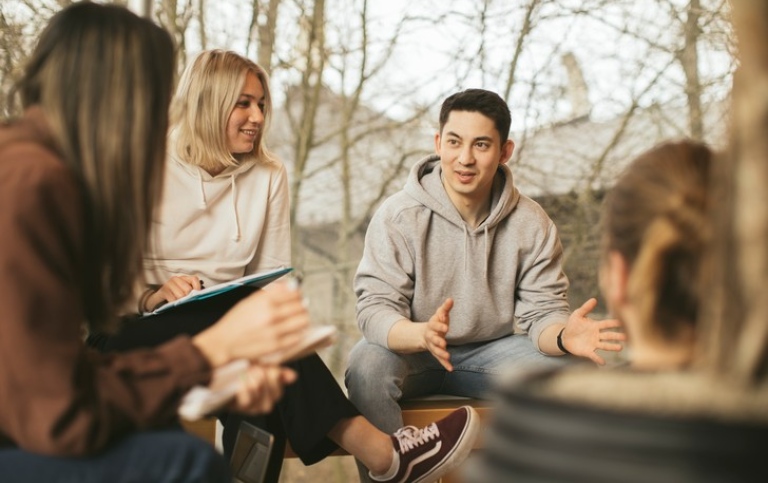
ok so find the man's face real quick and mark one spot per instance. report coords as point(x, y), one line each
point(470, 150)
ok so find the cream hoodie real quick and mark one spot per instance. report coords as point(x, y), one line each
point(220, 227)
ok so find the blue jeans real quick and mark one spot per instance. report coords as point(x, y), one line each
point(378, 378)
point(170, 456)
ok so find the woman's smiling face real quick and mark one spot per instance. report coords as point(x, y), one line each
point(247, 117)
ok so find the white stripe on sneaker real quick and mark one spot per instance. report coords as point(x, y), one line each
point(421, 458)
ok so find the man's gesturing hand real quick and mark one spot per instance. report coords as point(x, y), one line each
point(583, 336)
point(434, 336)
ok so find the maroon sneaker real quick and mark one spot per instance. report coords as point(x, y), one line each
point(428, 453)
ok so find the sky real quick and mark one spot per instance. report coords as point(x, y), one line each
point(424, 65)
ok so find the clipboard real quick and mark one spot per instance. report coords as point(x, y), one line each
point(256, 280)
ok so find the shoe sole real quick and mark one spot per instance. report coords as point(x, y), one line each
point(460, 452)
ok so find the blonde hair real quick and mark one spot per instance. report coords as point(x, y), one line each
point(207, 93)
point(656, 217)
point(103, 77)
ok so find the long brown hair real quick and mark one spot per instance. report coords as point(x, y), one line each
point(656, 217)
point(104, 76)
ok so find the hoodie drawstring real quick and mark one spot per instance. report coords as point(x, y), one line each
point(203, 202)
point(487, 248)
point(466, 237)
point(236, 237)
point(487, 252)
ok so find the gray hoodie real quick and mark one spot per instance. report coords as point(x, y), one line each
point(419, 251)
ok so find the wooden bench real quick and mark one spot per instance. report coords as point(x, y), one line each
point(418, 412)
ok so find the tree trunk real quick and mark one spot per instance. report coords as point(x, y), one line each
point(202, 24)
point(527, 26)
point(267, 36)
point(689, 59)
point(310, 89)
point(736, 306)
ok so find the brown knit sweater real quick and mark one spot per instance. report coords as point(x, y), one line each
point(56, 396)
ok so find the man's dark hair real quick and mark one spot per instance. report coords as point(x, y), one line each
point(485, 102)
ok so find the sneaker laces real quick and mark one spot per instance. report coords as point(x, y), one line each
point(410, 437)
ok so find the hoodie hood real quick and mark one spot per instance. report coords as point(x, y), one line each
point(425, 185)
point(212, 187)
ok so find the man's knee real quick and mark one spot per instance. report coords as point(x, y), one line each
point(372, 370)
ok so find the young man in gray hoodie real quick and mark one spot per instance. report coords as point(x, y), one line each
point(451, 263)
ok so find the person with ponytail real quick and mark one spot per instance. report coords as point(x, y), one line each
point(655, 228)
point(659, 417)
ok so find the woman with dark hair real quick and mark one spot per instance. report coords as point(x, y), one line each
point(80, 175)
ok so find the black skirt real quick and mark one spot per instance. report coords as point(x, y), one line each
point(308, 410)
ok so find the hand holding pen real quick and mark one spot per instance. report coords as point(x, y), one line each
point(175, 288)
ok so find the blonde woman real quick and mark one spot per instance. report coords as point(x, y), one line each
point(225, 214)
